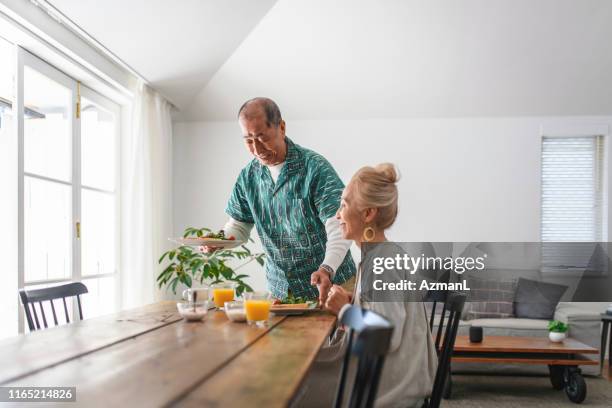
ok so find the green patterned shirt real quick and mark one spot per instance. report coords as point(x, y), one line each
point(290, 218)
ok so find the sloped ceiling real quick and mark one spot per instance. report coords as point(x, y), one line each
point(349, 59)
point(447, 58)
point(176, 45)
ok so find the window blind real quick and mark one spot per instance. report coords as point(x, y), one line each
point(573, 199)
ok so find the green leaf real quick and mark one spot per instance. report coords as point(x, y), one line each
point(162, 257)
point(206, 271)
point(226, 273)
point(260, 260)
point(173, 284)
point(557, 326)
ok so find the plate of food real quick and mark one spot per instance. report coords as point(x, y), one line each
point(211, 239)
point(294, 306)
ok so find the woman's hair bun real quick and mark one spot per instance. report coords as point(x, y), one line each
point(375, 187)
point(388, 172)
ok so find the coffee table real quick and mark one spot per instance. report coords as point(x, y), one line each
point(563, 359)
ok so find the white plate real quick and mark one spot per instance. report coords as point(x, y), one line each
point(218, 243)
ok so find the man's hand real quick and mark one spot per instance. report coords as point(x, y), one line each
point(321, 279)
point(337, 298)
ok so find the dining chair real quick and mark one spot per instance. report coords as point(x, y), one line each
point(29, 299)
point(436, 297)
point(369, 338)
point(442, 384)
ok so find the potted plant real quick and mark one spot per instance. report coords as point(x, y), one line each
point(187, 265)
point(558, 331)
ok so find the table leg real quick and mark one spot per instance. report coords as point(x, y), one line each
point(604, 338)
point(610, 347)
point(556, 376)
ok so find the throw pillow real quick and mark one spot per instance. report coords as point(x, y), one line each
point(537, 300)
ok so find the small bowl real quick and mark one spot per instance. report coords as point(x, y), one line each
point(192, 312)
point(235, 311)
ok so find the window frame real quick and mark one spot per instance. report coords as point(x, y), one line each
point(23, 59)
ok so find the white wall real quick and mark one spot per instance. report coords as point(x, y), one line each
point(462, 179)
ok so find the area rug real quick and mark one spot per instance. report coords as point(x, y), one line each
point(499, 391)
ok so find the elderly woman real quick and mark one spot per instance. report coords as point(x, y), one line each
point(367, 209)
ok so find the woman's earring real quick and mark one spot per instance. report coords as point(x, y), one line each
point(368, 234)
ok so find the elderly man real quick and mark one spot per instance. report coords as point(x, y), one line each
point(291, 195)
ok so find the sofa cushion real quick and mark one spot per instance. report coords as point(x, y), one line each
point(568, 312)
point(537, 300)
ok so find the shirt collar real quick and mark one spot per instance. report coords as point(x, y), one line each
point(293, 160)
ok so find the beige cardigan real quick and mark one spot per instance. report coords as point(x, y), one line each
point(409, 369)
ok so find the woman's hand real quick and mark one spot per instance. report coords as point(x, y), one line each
point(337, 298)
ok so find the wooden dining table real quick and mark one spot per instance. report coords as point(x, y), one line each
point(151, 357)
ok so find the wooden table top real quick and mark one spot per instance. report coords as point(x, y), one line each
point(512, 344)
point(151, 357)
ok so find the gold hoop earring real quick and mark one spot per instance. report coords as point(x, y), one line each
point(369, 234)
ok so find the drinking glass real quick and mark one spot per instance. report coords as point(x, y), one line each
point(257, 306)
point(193, 295)
point(223, 292)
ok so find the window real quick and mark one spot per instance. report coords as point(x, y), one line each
point(573, 194)
point(67, 205)
point(574, 204)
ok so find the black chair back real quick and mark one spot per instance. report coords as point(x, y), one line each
point(454, 306)
point(369, 338)
point(435, 297)
point(29, 299)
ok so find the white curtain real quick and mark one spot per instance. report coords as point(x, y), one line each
point(146, 196)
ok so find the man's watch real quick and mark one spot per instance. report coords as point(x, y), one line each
point(327, 269)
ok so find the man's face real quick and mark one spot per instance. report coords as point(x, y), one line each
point(266, 143)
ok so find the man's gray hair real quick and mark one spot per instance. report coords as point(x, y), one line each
point(273, 113)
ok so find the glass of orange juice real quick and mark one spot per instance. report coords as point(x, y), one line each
point(257, 307)
point(223, 292)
